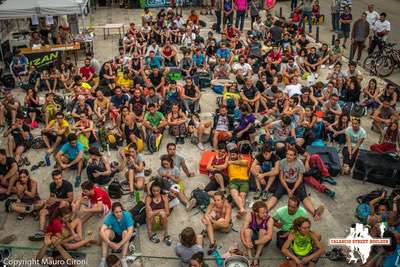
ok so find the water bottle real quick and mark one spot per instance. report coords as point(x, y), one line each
point(47, 159)
point(218, 259)
point(137, 197)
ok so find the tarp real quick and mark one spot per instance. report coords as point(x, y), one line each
point(12, 9)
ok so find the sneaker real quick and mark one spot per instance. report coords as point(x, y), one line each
point(20, 217)
point(191, 204)
point(124, 263)
point(257, 195)
point(212, 249)
point(102, 262)
point(182, 140)
point(329, 180)
point(177, 140)
point(77, 181)
point(200, 146)
point(330, 193)
point(167, 240)
point(39, 236)
point(265, 195)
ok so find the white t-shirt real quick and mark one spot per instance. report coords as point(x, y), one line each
point(380, 26)
point(293, 89)
point(355, 136)
point(245, 68)
point(372, 17)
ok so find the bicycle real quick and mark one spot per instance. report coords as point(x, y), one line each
point(369, 63)
point(385, 65)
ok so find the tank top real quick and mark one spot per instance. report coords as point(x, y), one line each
point(167, 51)
point(136, 65)
point(305, 103)
point(190, 91)
point(302, 245)
point(258, 226)
point(157, 206)
point(219, 161)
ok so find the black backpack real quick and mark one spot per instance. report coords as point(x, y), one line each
point(115, 190)
point(202, 198)
point(370, 196)
point(139, 213)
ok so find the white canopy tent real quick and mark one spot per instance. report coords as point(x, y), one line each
point(14, 9)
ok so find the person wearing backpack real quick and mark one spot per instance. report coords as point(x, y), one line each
point(157, 212)
point(217, 218)
point(116, 232)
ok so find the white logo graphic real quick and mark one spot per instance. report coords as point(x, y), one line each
point(359, 243)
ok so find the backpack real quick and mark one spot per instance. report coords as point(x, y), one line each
point(139, 213)
point(153, 142)
point(202, 198)
point(115, 190)
point(38, 143)
point(370, 196)
point(357, 111)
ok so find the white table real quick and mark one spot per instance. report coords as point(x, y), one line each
point(109, 27)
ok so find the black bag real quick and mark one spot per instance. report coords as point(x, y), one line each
point(378, 168)
point(329, 156)
point(202, 198)
point(370, 196)
point(139, 213)
point(357, 111)
point(8, 81)
point(115, 190)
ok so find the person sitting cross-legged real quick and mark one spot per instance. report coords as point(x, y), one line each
point(71, 156)
point(116, 233)
point(302, 246)
point(55, 133)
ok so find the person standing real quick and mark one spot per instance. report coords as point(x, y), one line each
point(228, 12)
point(359, 34)
point(306, 11)
point(241, 8)
point(254, 11)
point(372, 17)
point(381, 30)
point(335, 12)
point(345, 20)
point(218, 14)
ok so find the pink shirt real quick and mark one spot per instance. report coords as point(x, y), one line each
point(241, 5)
point(269, 3)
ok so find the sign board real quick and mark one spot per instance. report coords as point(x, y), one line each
point(161, 3)
point(43, 59)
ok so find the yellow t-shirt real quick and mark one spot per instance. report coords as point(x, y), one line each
point(238, 172)
point(64, 124)
point(124, 83)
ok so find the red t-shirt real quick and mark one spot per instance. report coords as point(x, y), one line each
point(100, 195)
point(55, 227)
point(86, 72)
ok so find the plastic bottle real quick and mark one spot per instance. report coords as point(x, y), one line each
point(218, 258)
point(137, 197)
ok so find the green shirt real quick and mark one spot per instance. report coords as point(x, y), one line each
point(282, 216)
point(302, 245)
point(155, 119)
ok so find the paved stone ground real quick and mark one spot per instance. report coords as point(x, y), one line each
point(338, 216)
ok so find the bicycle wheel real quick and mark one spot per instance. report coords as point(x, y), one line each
point(369, 63)
point(384, 66)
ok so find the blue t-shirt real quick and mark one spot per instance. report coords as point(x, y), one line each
point(392, 260)
point(119, 102)
point(225, 53)
point(119, 226)
point(155, 62)
point(199, 59)
point(71, 152)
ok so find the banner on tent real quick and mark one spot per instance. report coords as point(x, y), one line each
point(161, 3)
point(43, 58)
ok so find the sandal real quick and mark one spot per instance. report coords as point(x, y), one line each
point(167, 240)
point(154, 238)
point(318, 212)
